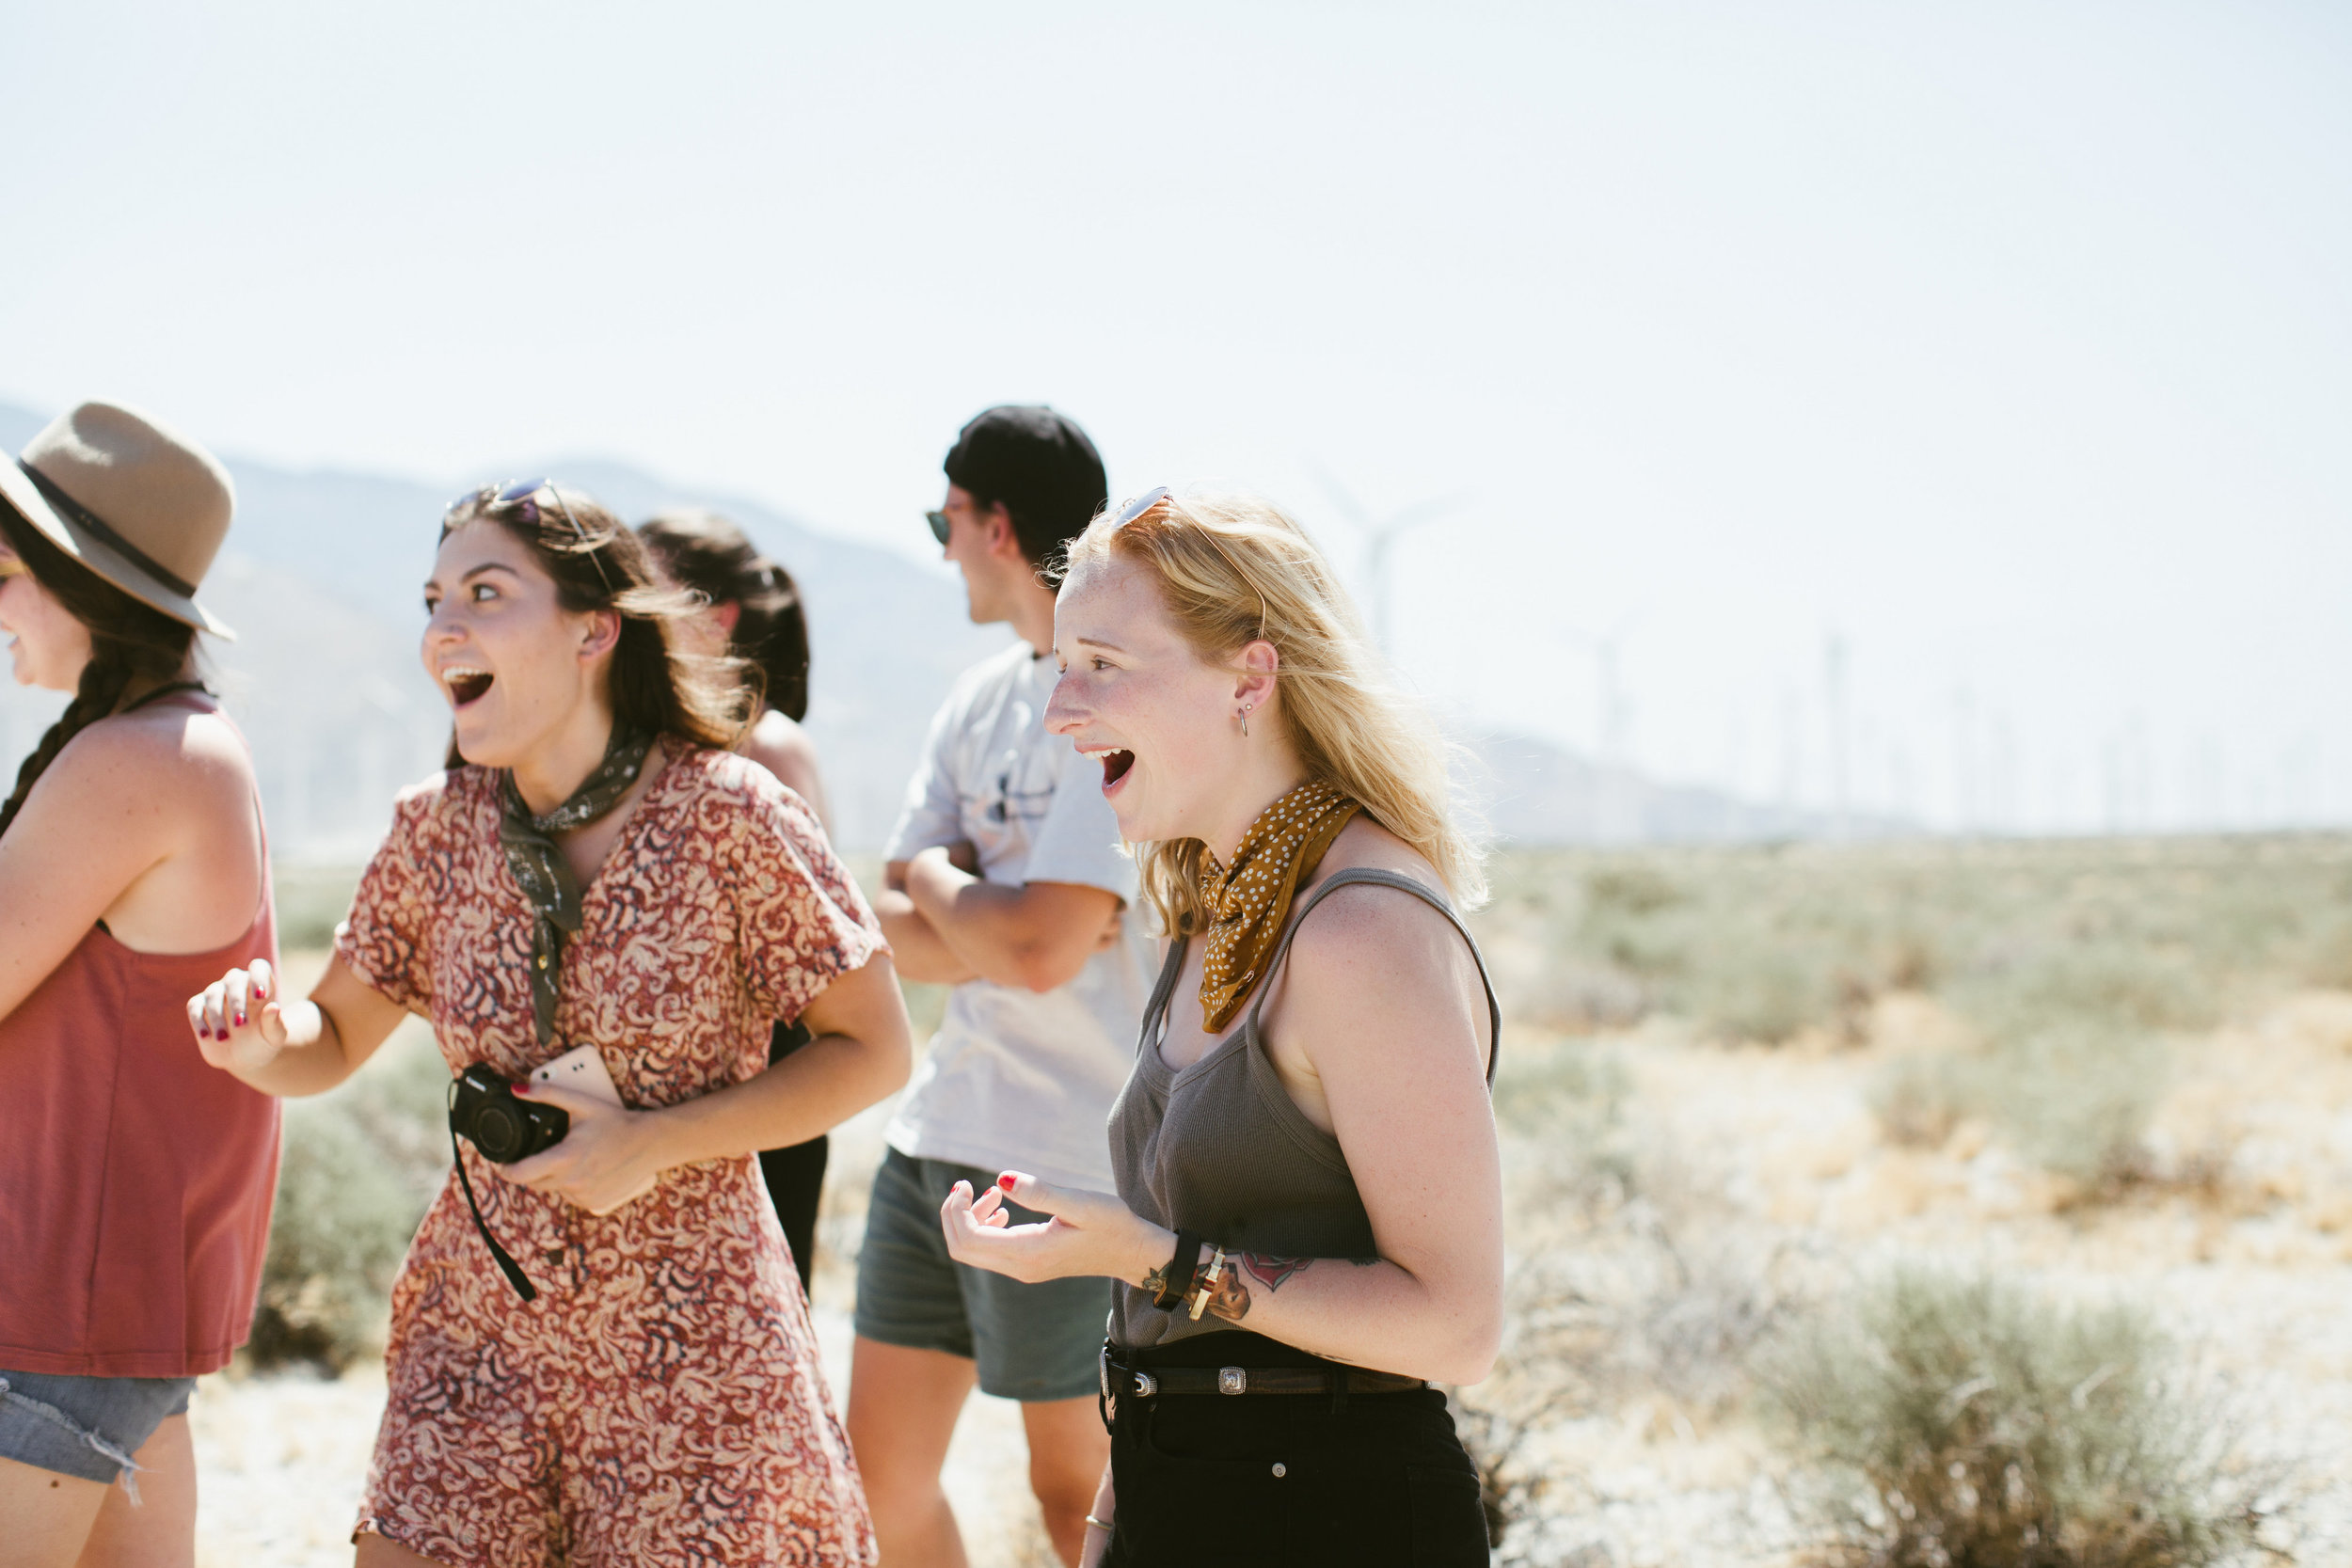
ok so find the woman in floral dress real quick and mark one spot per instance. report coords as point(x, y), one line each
point(596, 867)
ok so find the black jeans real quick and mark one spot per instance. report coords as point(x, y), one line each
point(1287, 1479)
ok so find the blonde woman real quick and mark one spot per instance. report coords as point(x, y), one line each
point(1307, 1231)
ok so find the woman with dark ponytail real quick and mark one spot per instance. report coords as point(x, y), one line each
point(751, 611)
point(134, 1182)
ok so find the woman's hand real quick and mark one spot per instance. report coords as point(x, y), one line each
point(239, 1021)
point(1089, 1233)
point(609, 1156)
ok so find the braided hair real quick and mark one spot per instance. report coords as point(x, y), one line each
point(708, 555)
point(129, 640)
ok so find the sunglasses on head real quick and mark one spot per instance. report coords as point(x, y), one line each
point(1141, 505)
point(523, 495)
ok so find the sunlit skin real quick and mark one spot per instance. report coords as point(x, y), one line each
point(1377, 1026)
point(1166, 723)
point(47, 646)
point(524, 677)
point(528, 685)
point(983, 546)
point(146, 820)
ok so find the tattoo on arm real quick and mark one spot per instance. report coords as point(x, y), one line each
point(1230, 1299)
point(1156, 1281)
point(1273, 1273)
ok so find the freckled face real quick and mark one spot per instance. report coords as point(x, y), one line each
point(1134, 694)
point(505, 654)
point(47, 646)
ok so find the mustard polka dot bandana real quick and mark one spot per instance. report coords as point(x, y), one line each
point(1247, 904)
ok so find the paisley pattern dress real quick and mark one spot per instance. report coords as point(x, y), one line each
point(662, 1401)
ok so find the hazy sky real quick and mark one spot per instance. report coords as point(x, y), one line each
point(2008, 345)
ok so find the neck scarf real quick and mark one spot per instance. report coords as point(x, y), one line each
point(540, 869)
point(1247, 904)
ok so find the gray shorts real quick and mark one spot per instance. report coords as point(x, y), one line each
point(1033, 1342)
point(87, 1427)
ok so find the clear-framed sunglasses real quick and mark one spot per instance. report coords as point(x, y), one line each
point(1141, 505)
point(523, 495)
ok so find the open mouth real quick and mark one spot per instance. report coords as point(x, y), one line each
point(466, 686)
point(1115, 766)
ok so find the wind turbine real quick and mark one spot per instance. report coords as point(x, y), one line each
point(1380, 536)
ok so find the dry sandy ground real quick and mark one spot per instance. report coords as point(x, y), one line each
point(1751, 1154)
point(2250, 1264)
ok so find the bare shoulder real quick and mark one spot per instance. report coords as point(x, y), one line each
point(1367, 933)
point(171, 755)
point(779, 745)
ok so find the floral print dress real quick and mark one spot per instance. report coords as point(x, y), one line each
point(662, 1401)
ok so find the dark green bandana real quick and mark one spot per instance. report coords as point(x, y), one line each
point(540, 869)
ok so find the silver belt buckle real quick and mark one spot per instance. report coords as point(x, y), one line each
point(1232, 1379)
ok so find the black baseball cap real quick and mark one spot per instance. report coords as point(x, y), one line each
point(1040, 464)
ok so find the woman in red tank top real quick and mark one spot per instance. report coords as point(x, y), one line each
point(134, 1182)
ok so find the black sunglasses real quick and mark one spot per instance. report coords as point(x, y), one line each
point(939, 525)
point(524, 496)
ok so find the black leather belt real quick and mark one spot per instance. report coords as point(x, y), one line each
point(1118, 1378)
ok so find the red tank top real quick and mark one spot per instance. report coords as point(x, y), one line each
point(135, 1180)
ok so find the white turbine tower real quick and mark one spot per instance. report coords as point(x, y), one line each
point(1380, 535)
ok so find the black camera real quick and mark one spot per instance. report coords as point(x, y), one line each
point(483, 1108)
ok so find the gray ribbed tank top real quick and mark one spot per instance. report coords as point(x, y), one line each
point(1221, 1148)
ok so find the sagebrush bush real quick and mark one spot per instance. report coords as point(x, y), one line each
point(1957, 1422)
point(1759, 941)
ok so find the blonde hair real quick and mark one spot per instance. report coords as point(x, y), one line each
point(1233, 570)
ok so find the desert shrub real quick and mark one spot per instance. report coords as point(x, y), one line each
point(359, 1164)
point(1920, 1096)
point(1962, 1422)
point(2076, 1097)
point(1762, 941)
point(310, 900)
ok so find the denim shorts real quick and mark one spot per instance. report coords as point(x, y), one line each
point(86, 1427)
point(1033, 1342)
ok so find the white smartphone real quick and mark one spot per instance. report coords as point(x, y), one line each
point(581, 1071)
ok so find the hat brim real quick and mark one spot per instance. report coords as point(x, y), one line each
point(107, 562)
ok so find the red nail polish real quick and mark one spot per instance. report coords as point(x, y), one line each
point(523, 1089)
point(1007, 1180)
point(241, 1021)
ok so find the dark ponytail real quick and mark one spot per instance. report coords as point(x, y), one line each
point(703, 552)
point(129, 640)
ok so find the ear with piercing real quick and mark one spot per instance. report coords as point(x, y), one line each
point(1245, 716)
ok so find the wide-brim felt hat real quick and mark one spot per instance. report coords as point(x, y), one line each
point(131, 498)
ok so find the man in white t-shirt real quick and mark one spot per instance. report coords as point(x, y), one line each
point(1006, 879)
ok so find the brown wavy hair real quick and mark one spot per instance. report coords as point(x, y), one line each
point(604, 565)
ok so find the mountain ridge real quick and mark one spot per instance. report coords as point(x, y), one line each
point(320, 578)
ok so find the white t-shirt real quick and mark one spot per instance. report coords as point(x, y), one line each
point(1015, 1079)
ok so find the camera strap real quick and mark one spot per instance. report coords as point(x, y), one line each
point(507, 1266)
